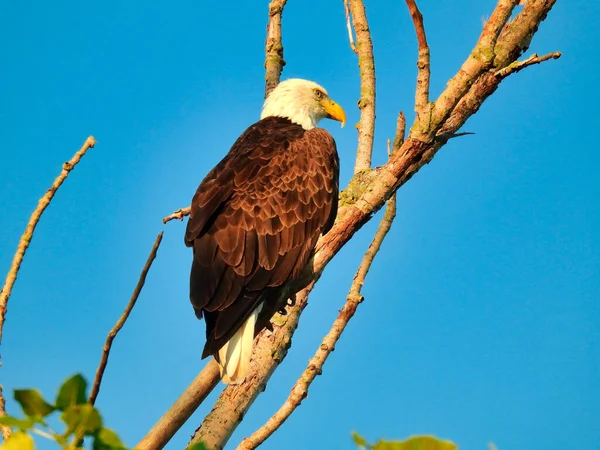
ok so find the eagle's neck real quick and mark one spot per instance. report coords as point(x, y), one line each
point(291, 109)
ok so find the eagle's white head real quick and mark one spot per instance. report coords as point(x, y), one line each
point(303, 102)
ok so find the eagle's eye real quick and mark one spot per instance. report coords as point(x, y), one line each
point(319, 94)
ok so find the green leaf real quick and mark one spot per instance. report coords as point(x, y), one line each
point(416, 443)
point(198, 446)
point(32, 403)
point(18, 441)
point(72, 392)
point(81, 419)
point(107, 439)
point(23, 424)
point(358, 439)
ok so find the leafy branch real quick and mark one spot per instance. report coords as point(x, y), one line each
point(81, 420)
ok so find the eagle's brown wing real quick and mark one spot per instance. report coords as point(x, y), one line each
point(255, 220)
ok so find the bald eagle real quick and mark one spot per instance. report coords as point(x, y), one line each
point(256, 217)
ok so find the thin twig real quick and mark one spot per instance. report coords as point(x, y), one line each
point(117, 327)
point(349, 27)
point(274, 61)
point(366, 103)
point(422, 106)
point(179, 214)
point(6, 431)
point(182, 409)
point(315, 365)
point(33, 221)
point(25, 240)
point(520, 65)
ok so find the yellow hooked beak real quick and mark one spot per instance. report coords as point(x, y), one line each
point(333, 110)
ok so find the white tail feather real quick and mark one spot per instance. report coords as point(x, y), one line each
point(235, 355)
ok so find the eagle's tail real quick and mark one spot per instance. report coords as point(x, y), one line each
point(234, 356)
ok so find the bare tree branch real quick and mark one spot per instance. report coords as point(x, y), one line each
point(376, 188)
point(274, 61)
point(270, 349)
point(366, 104)
point(422, 105)
point(315, 365)
point(480, 59)
point(496, 22)
point(182, 409)
point(369, 190)
point(25, 240)
point(33, 221)
point(517, 34)
point(513, 41)
point(117, 327)
point(517, 66)
point(349, 27)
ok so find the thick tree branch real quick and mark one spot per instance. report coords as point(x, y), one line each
point(315, 365)
point(182, 409)
point(274, 61)
point(366, 104)
point(117, 327)
point(422, 105)
point(269, 350)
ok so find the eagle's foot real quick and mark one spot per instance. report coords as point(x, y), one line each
point(237, 381)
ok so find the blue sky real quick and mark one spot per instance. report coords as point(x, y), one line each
point(481, 320)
